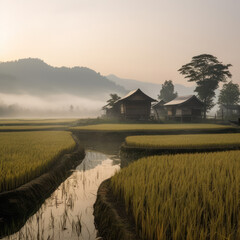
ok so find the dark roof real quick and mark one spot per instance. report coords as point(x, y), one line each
point(182, 99)
point(134, 92)
point(159, 104)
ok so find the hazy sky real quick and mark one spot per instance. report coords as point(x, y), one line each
point(146, 40)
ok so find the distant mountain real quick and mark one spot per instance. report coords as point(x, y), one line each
point(30, 87)
point(152, 89)
point(35, 77)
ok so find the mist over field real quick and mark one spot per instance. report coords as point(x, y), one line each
point(32, 88)
point(62, 105)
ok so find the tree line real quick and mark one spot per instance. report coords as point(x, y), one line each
point(207, 72)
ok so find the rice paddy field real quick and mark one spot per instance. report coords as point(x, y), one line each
point(26, 155)
point(36, 124)
point(31, 127)
point(191, 141)
point(183, 196)
point(61, 121)
point(147, 127)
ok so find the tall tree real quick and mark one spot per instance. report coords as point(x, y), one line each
point(207, 72)
point(167, 93)
point(229, 94)
point(112, 100)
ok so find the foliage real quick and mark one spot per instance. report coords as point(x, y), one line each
point(184, 196)
point(112, 100)
point(192, 141)
point(229, 94)
point(26, 155)
point(207, 72)
point(167, 93)
point(147, 127)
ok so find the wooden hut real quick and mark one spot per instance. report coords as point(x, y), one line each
point(185, 108)
point(135, 105)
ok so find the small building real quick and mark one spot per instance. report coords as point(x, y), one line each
point(229, 111)
point(158, 110)
point(136, 105)
point(185, 108)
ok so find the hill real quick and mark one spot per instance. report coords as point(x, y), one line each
point(32, 88)
point(33, 76)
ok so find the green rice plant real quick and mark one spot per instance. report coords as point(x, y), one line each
point(147, 127)
point(26, 155)
point(183, 196)
point(191, 141)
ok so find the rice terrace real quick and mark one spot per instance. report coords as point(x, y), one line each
point(40, 149)
point(170, 196)
point(120, 120)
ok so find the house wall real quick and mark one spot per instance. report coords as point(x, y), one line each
point(135, 106)
point(191, 109)
point(136, 109)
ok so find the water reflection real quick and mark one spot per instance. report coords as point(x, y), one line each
point(68, 213)
point(108, 143)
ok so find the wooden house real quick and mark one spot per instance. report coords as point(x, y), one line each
point(158, 110)
point(135, 105)
point(185, 108)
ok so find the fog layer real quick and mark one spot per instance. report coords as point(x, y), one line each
point(62, 105)
point(30, 87)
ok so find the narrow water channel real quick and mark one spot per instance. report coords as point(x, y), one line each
point(68, 212)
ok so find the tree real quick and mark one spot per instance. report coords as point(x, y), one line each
point(229, 94)
point(167, 93)
point(207, 72)
point(112, 100)
point(71, 108)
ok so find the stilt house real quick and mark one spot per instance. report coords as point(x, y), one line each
point(135, 105)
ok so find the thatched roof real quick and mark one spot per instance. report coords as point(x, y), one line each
point(182, 99)
point(131, 95)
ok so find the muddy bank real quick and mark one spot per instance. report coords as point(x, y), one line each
point(17, 205)
point(111, 219)
point(109, 142)
point(129, 154)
